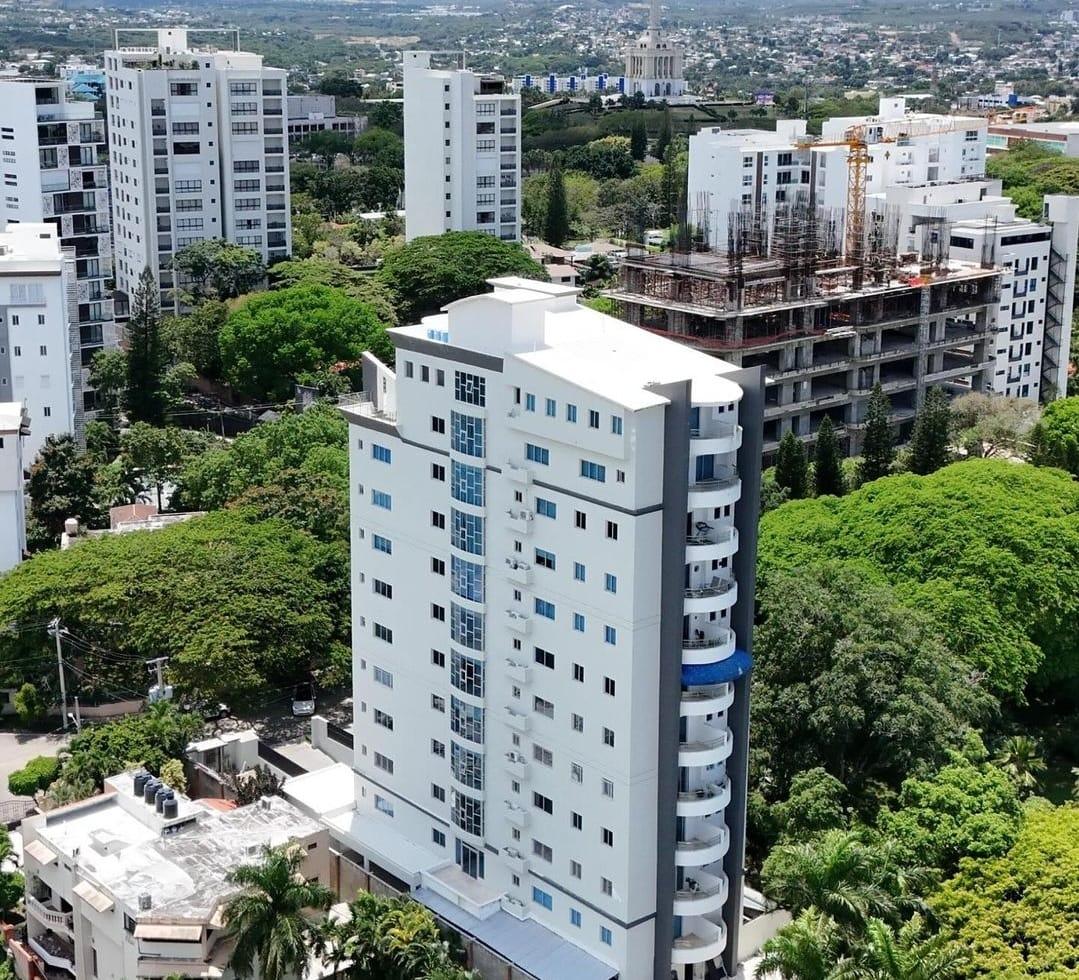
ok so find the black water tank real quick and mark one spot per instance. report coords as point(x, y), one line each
point(150, 790)
point(159, 797)
point(171, 808)
point(141, 778)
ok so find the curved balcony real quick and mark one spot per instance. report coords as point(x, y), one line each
point(707, 746)
point(53, 918)
point(710, 543)
point(703, 802)
point(707, 646)
point(706, 700)
point(700, 941)
point(700, 894)
point(719, 593)
point(715, 440)
point(723, 489)
point(704, 844)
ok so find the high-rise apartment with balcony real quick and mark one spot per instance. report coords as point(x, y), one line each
point(55, 169)
point(553, 542)
point(462, 150)
point(197, 149)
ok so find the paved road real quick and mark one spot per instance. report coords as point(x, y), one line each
point(277, 726)
point(18, 748)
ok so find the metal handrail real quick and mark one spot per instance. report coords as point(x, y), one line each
point(706, 642)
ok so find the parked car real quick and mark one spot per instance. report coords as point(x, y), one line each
point(303, 700)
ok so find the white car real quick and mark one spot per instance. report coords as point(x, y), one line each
point(303, 700)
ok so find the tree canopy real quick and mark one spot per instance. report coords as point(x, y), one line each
point(429, 272)
point(1056, 436)
point(219, 269)
point(274, 337)
point(363, 286)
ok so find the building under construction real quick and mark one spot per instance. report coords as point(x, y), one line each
point(828, 319)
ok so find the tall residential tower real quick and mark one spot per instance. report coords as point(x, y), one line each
point(553, 533)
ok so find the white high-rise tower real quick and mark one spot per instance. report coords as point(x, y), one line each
point(653, 64)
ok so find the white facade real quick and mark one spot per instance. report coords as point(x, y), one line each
point(309, 114)
point(754, 170)
point(14, 428)
point(39, 350)
point(1032, 321)
point(117, 889)
point(518, 486)
point(653, 63)
point(462, 151)
point(198, 149)
point(55, 167)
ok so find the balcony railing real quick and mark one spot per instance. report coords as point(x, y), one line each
point(708, 641)
point(717, 586)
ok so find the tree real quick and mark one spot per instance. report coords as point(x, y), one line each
point(11, 882)
point(273, 337)
point(851, 680)
point(878, 449)
point(1055, 438)
point(428, 272)
point(172, 775)
point(108, 377)
point(338, 191)
point(363, 286)
point(606, 158)
point(817, 802)
point(194, 338)
point(157, 455)
point(638, 139)
point(146, 399)
point(791, 466)
point(268, 919)
point(664, 138)
point(1019, 913)
point(556, 220)
point(1019, 757)
point(379, 148)
point(671, 184)
point(932, 427)
point(29, 705)
point(993, 425)
point(827, 462)
point(809, 948)
point(61, 485)
point(911, 953)
point(219, 269)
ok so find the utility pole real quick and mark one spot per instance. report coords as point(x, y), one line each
point(78, 716)
point(159, 692)
point(54, 629)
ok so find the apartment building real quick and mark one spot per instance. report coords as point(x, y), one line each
point(1032, 322)
point(462, 150)
point(197, 150)
point(553, 543)
point(55, 166)
point(756, 171)
point(14, 428)
point(39, 334)
point(132, 883)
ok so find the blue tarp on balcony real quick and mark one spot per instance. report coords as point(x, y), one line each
point(721, 672)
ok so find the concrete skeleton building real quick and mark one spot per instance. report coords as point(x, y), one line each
point(39, 332)
point(553, 525)
point(14, 428)
point(653, 62)
point(117, 888)
point(462, 150)
point(198, 149)
point(758, 171)
point(55, 168)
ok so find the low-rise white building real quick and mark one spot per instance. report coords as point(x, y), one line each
point(39, 339)
point(118, 889)
point(14, 428)
point(309, 114)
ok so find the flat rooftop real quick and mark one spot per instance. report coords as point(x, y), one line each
point(123, 850)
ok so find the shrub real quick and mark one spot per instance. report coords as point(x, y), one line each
point(37, 774)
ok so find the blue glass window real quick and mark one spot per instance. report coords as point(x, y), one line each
point(467, 434)
point(544, 608)
point(546, 508)
point(575, 917)
point(466, 720)
point(466, 627)
point(382, 499)
point(616, 424)
point(605, 936)
point(466, 483)
point(530, 402)
point(466, 674)
point(466, 579)
point(578, 571)
point(470, 388)
point(545, 558)
point(540, 897)
point(610, 635)
point(466, 766)
point(467, 532)
point(551, 408)
point(593, 419)
point(571, 413)
point(593, 471)
point(379, 543)
point(537, 454)
point(610, 582)
point(578, 622)
point(381, 453)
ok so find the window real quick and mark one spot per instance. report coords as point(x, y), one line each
point(541, 802)
point(438, 425)
point(383, 677)
point(593, 471)
point(466, 627)
point(544, 658)
point(610, 582)
point(546, 508)
point(467, 434)
point(575, 914)
point(616, 424)
point(438, 658)
point(610, 635)
point(438, 520)
point(438, 703)
point(383, 719)
point(605, 936)
point(544, 608)
point(530, 402)
point(551, 408)
point(612, 530)
point(576, 821)
point(384, 763)
point(438, 748)
point(571, 413)
point(425, 373)
point(469, 388)
point(608, 738)
point(593, 419)
point(537, 454)
point(576, 772)
point(578, 723)
point(578, 622)
point(438, 792)
point(438, 837)
point(543, 756)
point(383, 633)
point(578, 571)
point(438, 472)
point(608, 686)
point(383, 589)
point(380, 543)
point(43, 351)
point(545, 558)
point(438, 612)
point(467, 532)
point(382, 499)
point(438, 566)
point(541, 850)
point(540, 897)
point(578, 673)
point(607, 837)
point(383, 805)
point(580, 521)
point(608, 789)
point(542, 706)
point(466, 483)
point(380, 453)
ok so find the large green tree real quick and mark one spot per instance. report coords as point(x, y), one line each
point(218, 269)
point(827, 462)
point(556, 219)
point(363, 286)
point(270, 919)
point(272, 338)
point(932, 429)
point(791, 466)
point(429, 272)
point(147, 398)
point(1055, 438)
point(194, 337)
point(62, 485)
point(878, 448)
point(379, 148)
point(809, 948)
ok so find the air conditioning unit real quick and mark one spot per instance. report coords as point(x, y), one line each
point(145, 902)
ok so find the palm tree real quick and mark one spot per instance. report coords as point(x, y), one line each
point(907, 955)
point(807, 949)
point(268, 919)
point(1020, 757)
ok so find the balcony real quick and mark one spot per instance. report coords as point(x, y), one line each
point(518, 474)
point(701, 893)
point(516, 815)
point(516, 861)
point(700, 941)
point(519, 671)
point(707, 644)
point(705, 800)
point(51, 917)
point(518, 571)
point(704, 844)
point(516, 765)
point(517, 720)
point(714, 700)
point(710, 543)
point(721, 488)
point(518, 621)
point(519, 521)
point(705, 745)
point(718, 593)
point(715, 438)
point(54, 951)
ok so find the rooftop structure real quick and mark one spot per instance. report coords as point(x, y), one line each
point(1058, 137)
point(653, 63)
point(309, 114)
